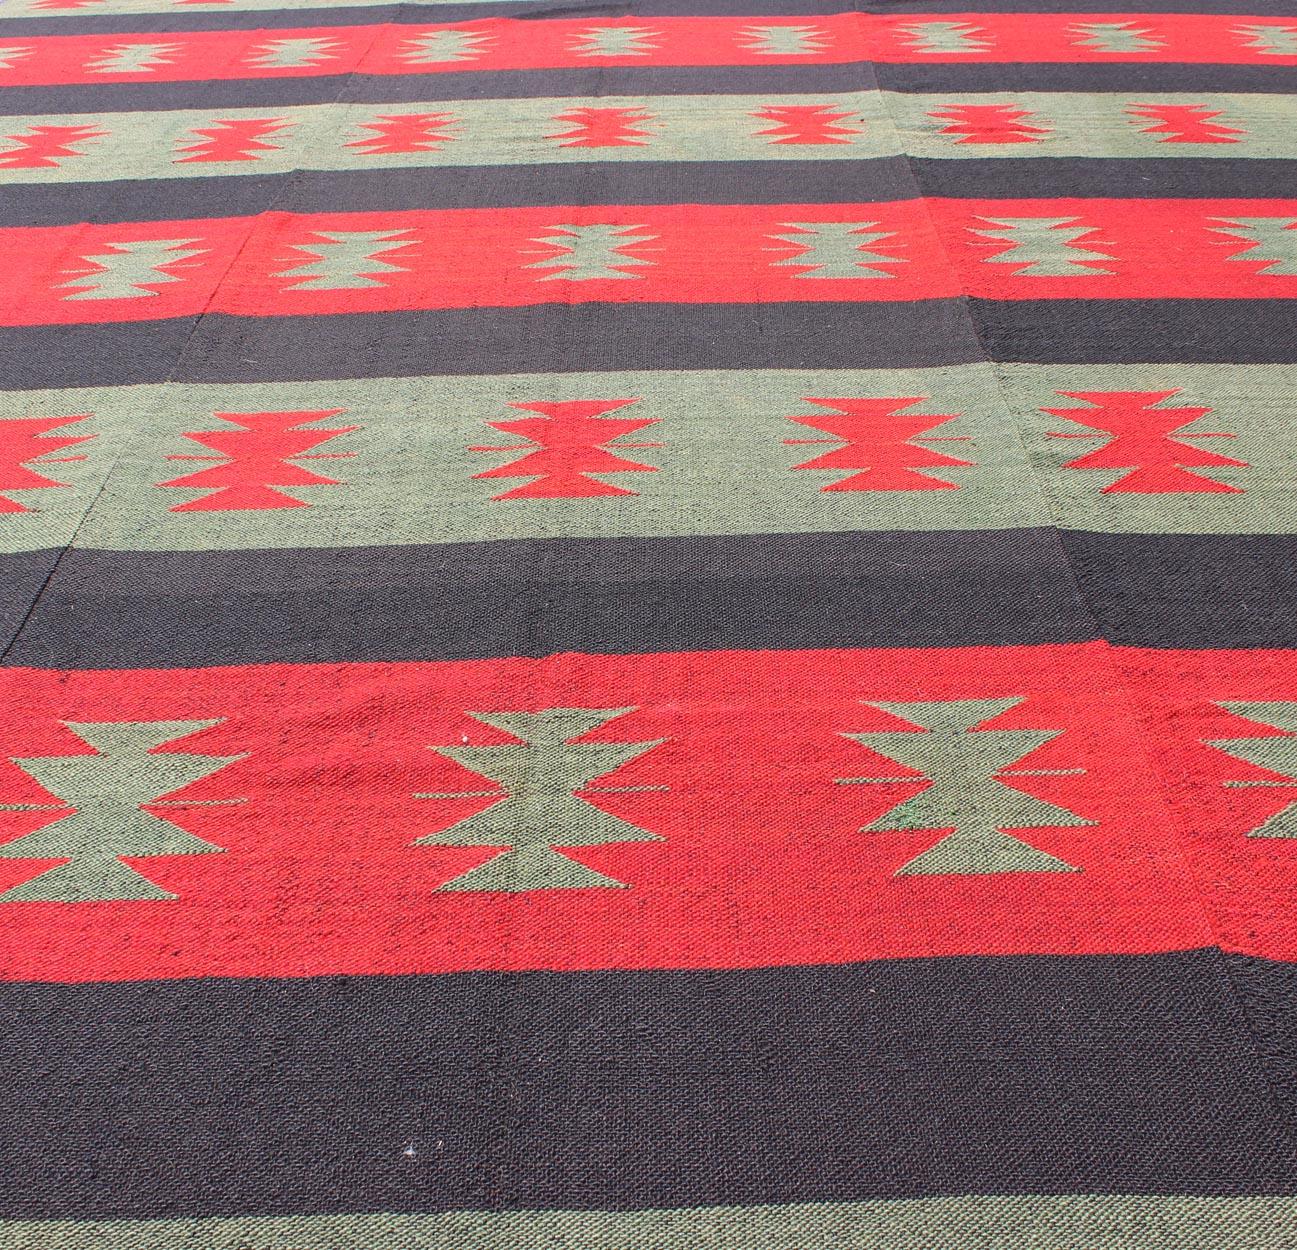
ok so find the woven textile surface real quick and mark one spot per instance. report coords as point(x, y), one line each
point(648, 625)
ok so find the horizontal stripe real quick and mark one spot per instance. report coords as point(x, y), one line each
point(363, 137)
point(1275, 8)
point(500, 186)
point(928, 333)
point(259, 14)
point(376, 89)
point(509, 43)
point(1267, 991)
point(209, 14)
point(1026, 178)
point(665, 861)
point(284, 263)
point(92, 17)
point(25, 576)
point(663, 448)
point(98, 147)
point(566, 338)
point(504, 43)
point(1186, 590)
point(1217, 331)
point(140, 610)
point(670, 875)
point(1085, 78)
point(108, 98)
point(561, 338)
point(1136, 80)
point(1135, 449)
point(81, 9)
point(473, 258)
point(926, 1078)
point(1034, 1222)
point(53, 204)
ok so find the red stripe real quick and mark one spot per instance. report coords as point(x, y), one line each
point(762, 859)
point(1113, 249)
point(1182, 38)
point(510, 43)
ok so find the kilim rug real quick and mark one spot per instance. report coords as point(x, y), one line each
point(665, 625)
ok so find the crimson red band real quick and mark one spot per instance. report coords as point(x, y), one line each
point(327, 818)
point(284, 264)
point(512, 44)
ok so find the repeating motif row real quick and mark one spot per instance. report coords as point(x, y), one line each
point(570, 448)
point(282, 264)
point(420, 460)
point(943, 768)
point(662, 810)
point(508, 43)
point(851, 126)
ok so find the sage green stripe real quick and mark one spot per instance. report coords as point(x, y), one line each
point(723, 460)
point(860, 125)
point(1084, 1222)
point(160, 144)
point(1108, 124)
point(723, 448)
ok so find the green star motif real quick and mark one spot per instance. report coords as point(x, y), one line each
point(964, 767)
point(103, 796)
point(1275, 752)
point(542, 783)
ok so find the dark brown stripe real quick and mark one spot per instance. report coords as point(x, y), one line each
point(622, 1090)
point(514, 186)
point(479, 600)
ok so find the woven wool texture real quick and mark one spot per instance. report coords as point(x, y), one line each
point(665, 625)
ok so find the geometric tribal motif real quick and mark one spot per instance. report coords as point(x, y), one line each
point(1043, 247)
point(541, 784)
point(346, 260)
point(404, 132)
point(253, 462)
point(838, 249)
point(783, 40)
point(1272, 240)
point(612, 41)
point(133, 58)
point(879, 446)
point(944, 38)
point(806, 123)
point(590, 252)
point(28, 442)
point(46, 147)
point(966, 794)
point(1270, 40)
point(1122, 36)
point(1277, 753)
point(104, 796)
point(1184, 123)
point(603, 128)
point(988, 123)
point(294, 53)
point(231, 140)
point(11, 56)
point(1140, 441)
point(127, 270)
point(442, 47)
point(570, 447)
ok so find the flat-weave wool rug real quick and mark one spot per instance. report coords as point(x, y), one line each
point(665, 625)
